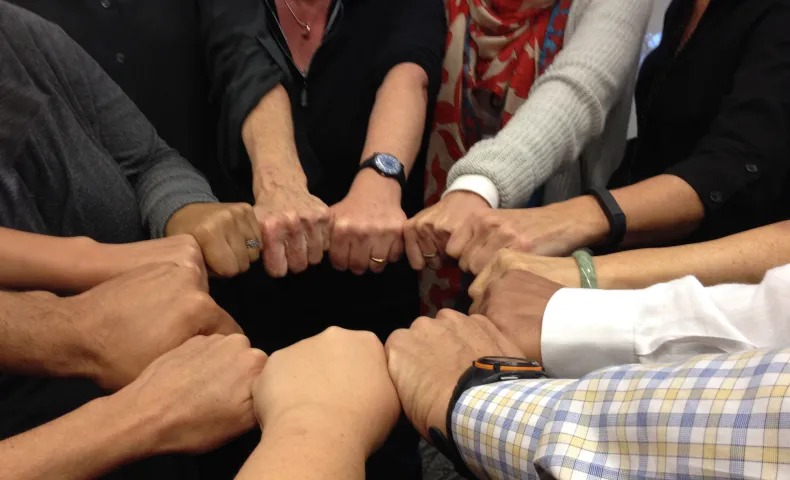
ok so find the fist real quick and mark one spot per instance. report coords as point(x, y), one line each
point(428, 233)
point(367, 229)
point(339, 376)
point(199, 394)
point(295, 227)
point(426, 361)
point(515, 303)
point(132, 319)
point(222, 231)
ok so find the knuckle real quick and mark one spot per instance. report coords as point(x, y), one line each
point(422, 323)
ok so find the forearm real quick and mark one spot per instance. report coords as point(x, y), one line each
point(613, 398)
point(740, 258)
point(86, 443)
point(42, 262)
point(38, 337)
point(397, 123)
point(658, 210)
point(305, 449)
point(268, 135)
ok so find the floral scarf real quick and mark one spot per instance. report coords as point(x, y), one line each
point(498, 46)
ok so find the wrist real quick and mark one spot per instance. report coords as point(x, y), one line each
point(588, 221)
point(370, 184)
point(270, 184)
point(74, 356)
point(136, 428)
point(89, 263)
point(315, 425)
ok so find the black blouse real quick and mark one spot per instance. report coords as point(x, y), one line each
point(331, 106)
point(716, 112)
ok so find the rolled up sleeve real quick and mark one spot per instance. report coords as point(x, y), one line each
point(417, 31)
point(748, 140)
point(242, 70)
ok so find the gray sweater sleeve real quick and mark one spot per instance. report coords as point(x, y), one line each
point(568, 105)
point(163, 181)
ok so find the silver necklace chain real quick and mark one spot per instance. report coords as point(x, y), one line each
point(305, 26)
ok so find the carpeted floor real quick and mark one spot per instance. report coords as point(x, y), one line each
point(435, 466)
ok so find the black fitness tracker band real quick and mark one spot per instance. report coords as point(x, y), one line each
point(484, 371)
point(615, 216)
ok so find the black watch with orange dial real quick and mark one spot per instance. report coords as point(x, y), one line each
point(484, 371)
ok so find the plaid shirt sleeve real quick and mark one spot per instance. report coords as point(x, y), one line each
point(714, 416)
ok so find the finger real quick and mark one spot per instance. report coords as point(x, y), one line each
point(380, 251)
point(484, 255)
point(429, 250)
point(315, 242)
point(413, 252)
point(340, 246)
point(396, 249)
point(238, 243)
point(480, 284)
point(220, 257)
point(296, 246)
point(224, 324)
point(360, 254)
point(248, 226)
point(472, 246)
point(459, 239)
point(274, 259)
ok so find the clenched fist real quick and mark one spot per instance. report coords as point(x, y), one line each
point(127, 322)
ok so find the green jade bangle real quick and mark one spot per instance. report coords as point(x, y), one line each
point(586, 268)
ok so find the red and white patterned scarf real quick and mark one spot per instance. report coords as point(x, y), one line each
point(498, 46)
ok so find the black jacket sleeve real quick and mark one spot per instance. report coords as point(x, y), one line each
point(242, 71)
point(749, 139)
point(416, 31)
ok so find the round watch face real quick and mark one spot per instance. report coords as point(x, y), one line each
point(387, 164)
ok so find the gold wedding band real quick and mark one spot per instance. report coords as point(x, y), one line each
point(377, 260)
point(430, 255)
point(253, 244)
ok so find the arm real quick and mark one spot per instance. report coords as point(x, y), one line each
point(306, 448)
point(667, 322)
point(72, 447)
point(747, 141)
point(702, 417)
point(567, 106)
point(38, 336)
point(245, 80)
point(163, 181)
point(740, 258)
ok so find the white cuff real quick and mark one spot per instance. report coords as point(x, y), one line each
point(586, 330)
point(478, 184)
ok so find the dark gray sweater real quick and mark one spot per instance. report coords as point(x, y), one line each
point(77, 158)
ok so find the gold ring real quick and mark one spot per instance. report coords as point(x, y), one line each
point(430, 255)
point(377, 260)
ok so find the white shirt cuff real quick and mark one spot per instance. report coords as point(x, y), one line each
point(478, 184)
point(586, 330)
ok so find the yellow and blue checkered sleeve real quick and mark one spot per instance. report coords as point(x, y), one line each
point(714, 416)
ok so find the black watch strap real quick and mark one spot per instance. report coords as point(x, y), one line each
point(615, 216)
point(471, 378)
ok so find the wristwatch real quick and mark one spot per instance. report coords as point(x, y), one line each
point(387, 165)
point(484, 371)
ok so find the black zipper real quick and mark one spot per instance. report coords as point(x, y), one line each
point(330, 30)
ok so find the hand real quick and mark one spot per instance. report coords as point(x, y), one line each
point(295, 227)
point(199, 394)
point(222, 231)
point(368, 225)
point(516, 303)
point(426, 235)
point(562, 270)
point(132, 319)
point(426, 361)
point(338, 377)
point(105, 261)
point(554, 230)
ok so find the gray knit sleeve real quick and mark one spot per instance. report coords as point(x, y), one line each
point(568, 105)
point(163, 181)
